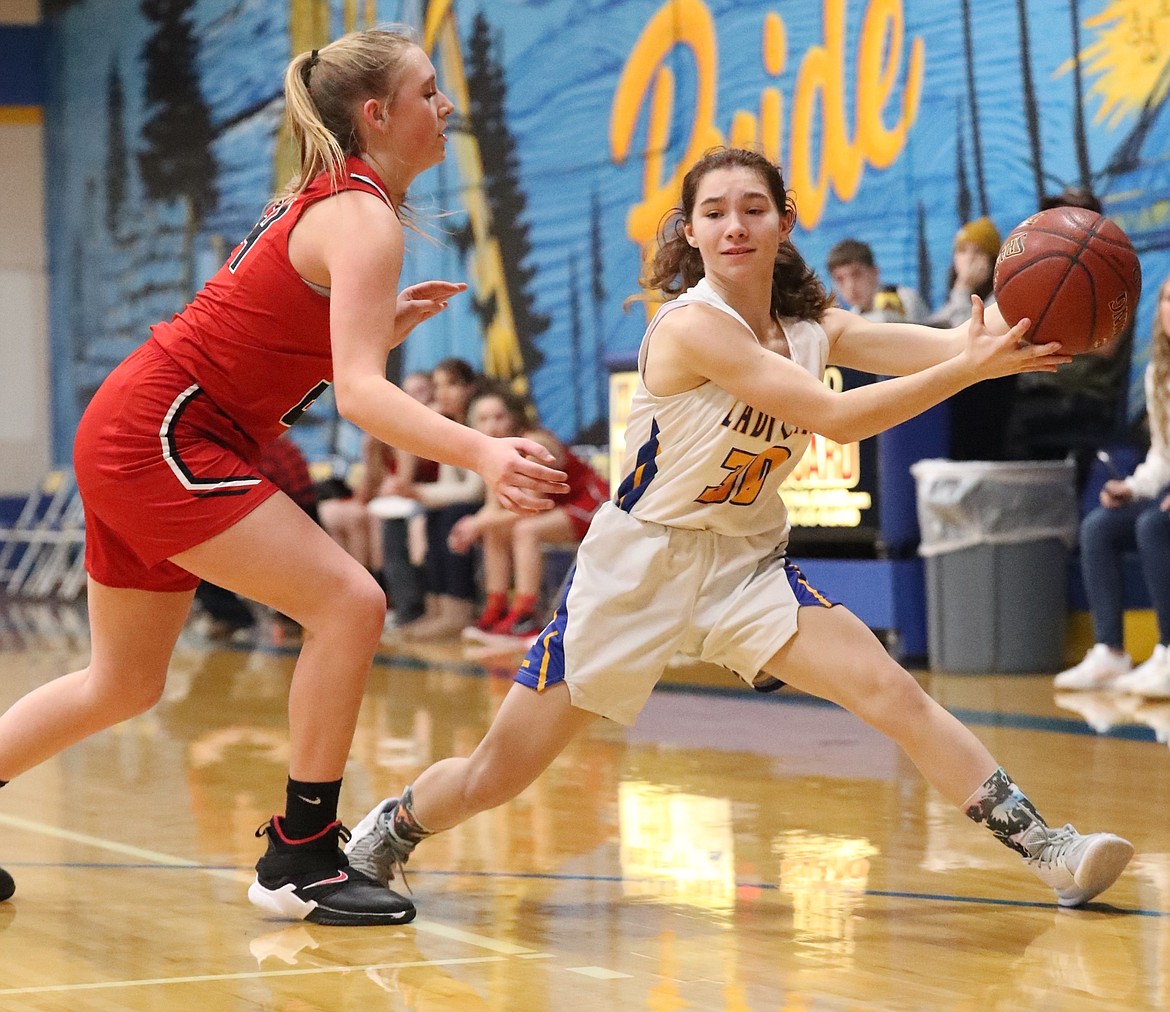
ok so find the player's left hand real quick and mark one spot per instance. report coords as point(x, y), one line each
point(421, 302)
point(518, 471)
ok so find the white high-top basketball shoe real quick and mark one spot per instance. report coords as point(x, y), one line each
point(1077, 867)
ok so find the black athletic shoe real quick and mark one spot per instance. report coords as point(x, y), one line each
point(767, 683)
point(7, 886)
point(311, 880)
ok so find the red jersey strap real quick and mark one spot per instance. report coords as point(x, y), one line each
point(357, 175)
point(366, 180)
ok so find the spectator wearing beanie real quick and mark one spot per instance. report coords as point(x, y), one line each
point(978, 415)
point(972, 262)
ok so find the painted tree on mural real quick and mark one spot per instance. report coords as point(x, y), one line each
point(1031, 105)
point(501, 171)
point(177, 162)
point(925, 272)
point(576, 369)
point(598, 431)
point(117, 157)
point(973, 112)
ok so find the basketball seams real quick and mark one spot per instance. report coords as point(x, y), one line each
point(1038, 321)
point(1079, 278)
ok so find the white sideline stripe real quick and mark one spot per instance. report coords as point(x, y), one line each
point(250, 975)
point(600, 972)
point(125, 849)
point(167, 860)
point(459, 935)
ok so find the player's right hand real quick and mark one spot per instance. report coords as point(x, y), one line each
point(993, 355)
point(518, 470)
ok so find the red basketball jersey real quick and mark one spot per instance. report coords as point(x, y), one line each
point(256, 337)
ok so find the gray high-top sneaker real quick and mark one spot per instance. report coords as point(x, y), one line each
point(1077, 867)
point(375, 849)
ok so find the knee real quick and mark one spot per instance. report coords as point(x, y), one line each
point(354, 599)
point(892, 699)
point(1152, 529)
point(367, 602)
point(1095, 528)
point(125, 694)
point(149, 692)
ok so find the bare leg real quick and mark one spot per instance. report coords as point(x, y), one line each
point(497, 559)
point(529, 731)
point(377, 550)
point(348, 523)
point(278, 556)
point(528, 535)
point(133, 633)
point(834, 656)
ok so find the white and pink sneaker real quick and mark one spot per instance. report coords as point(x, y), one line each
point(1151, 678)
point(1100, 669)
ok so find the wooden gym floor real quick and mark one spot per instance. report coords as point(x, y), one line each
point(729, 852)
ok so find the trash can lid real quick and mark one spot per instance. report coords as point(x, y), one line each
point(964, 503)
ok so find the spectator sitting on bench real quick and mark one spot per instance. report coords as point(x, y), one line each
point(347, 518)
point(1134, 515)
point(512, 545)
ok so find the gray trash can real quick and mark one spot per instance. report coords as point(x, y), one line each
point(995, 538)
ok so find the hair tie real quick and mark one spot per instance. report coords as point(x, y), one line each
point(307, 69)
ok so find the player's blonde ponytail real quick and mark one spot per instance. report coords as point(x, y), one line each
point(324, 91)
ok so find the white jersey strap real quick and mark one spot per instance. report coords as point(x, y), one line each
point(702, 294)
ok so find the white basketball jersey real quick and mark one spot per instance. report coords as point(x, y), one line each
point(704, 460)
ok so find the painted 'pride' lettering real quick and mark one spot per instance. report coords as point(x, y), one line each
point(819, 105)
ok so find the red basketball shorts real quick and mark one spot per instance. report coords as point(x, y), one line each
point(160, 469)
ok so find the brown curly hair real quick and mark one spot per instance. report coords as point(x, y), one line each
point(677, 266)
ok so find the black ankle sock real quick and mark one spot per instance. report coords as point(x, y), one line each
point(309, 807)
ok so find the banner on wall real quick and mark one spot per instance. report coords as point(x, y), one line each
point(896, 121)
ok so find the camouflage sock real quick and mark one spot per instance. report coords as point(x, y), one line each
point(404, 824)
point(1005, 809)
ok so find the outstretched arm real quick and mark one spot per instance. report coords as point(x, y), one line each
point(361, 246)
point(897, 349)
point(698, 343)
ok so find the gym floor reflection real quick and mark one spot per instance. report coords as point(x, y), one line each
point(729, 852)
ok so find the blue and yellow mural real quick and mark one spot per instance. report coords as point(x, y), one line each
point(895, 120)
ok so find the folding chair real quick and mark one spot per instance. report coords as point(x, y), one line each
point(39, 529)
point(64, 547)
point(54, 486)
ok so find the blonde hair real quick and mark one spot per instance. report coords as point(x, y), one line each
point(324, 91)
point(1158, 409)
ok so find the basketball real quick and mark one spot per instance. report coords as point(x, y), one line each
point(1073, 273)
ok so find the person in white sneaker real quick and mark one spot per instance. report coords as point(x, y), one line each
point(1134, 515)
point(1102, 667)
point(690, 554)
point(1151, 678)
point(166, 456)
